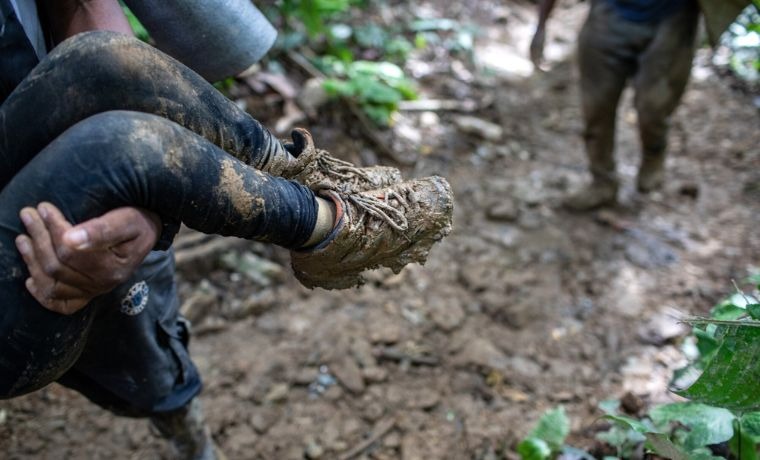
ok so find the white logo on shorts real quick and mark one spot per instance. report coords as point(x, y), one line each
point(136, 299)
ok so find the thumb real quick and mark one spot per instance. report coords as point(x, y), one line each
point(111, 229)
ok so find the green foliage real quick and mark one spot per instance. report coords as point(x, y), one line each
point(731, 377)
point(547, 437)
point(694, 425)
point(323, 26)
point(727, 346)
point(378, 87)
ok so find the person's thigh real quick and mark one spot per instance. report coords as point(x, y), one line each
point(664, 67)
point(127, 159)
point(101, 71)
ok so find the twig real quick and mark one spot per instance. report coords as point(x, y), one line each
point(721, 322)
point(739, 291)
point(434, 105)
point(381, 428)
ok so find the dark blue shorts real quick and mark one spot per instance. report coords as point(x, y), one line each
point(136, 361)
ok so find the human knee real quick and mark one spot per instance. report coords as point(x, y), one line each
point(101, 51)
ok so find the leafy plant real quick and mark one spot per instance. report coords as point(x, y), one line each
point(724, 397)
point(547, 437)
point(378, 87)
point(360, 61)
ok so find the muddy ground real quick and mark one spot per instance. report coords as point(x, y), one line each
point(523, 308)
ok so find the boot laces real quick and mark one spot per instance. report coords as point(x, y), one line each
point(381, 208)
point(336, 167)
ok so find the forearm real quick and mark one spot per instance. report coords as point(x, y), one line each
point(66, 18)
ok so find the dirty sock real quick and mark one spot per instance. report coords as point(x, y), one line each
point(326, 213)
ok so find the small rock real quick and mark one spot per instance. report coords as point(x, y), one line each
point(505, 210)
point(333, 393)
point(200, 303)
point(661, 329)
point(524, 367)
point(479, 127)
point(312, 96)
point(447, 313)
point(306, 375)
point(349, 375)
point(632, 404)
point(375, 374)
point(313, 450)
point(373, 411)
point(241, 438)
point(482, 353)
point(362, 352)
point(263, 418)
point(392, 440)
point(384, 330)
point(277, 393)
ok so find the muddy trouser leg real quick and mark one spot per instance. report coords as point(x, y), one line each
point(96, 72)
point(663, 71)
point(606, 60)
point(127, 159)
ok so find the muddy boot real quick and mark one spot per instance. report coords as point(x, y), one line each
point(186, 430)
point(651, 173)
point(598, 193)
point(318, 169)
point(389, 227)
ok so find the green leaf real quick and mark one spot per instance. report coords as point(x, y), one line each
point(706, 424)
point(750, 425)
point(609, 406)
point(731, 377)
point(660, 444)
point(635, 425)
point(553, 427)
point(657, 441)
point(534, 449)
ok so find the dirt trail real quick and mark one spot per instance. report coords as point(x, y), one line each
point(523, 307)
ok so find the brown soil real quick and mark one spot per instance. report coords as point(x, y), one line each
point(522, 308)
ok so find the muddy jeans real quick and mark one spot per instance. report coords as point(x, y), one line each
point(655, 56)
point(103, 122)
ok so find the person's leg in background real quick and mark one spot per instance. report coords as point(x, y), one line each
point(605, 64)
point(660, 81)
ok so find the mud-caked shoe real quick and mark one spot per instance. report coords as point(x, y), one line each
point(651, 173)
point(317, 169)
point(594, 195)
point(389, 227)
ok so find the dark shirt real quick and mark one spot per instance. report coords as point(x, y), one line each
point(647, 10)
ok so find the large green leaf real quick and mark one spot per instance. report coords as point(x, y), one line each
point(553, 427)
point(706, 424)
point(731, 378)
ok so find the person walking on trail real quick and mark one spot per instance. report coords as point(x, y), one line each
point(107, 146)
point(649, 42)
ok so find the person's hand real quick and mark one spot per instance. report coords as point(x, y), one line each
point(537, 46)
point(70, 265)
